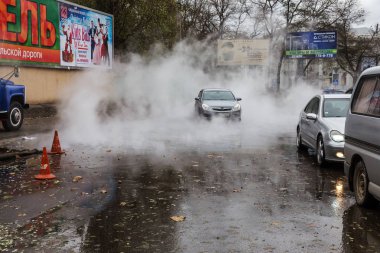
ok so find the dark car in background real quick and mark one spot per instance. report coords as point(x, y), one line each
point(217, 103)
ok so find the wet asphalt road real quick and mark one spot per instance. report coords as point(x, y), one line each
point(233, 199)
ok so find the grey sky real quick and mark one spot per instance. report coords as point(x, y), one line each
point(373, 11)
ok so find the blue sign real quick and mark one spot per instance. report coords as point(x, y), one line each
point(303, 45)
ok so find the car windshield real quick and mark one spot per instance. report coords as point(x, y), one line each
point(218, 95)
point(335, 107)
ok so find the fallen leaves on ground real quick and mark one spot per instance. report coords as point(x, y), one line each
point(276, 223)
point(178, 218)
point(77, 179)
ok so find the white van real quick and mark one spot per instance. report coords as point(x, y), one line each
point(362, 138)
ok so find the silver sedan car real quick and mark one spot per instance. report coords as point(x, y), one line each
point(321, 126)
point(218, 102)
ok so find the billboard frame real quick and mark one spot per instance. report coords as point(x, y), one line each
point(9, 62)
point(113, 33)
point(324, 53)
point(243, 52)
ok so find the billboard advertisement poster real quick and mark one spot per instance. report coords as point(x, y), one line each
point(243, 52)
point(29, 32)
point(85, 37)
point(303, 45)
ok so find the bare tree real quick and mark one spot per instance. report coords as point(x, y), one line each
point(215, 18)
point(354, 47)
point(195, 18)
point(283, 16)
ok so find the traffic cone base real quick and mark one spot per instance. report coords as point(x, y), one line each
point(56, 153)
point(42, 177)
point(56, 146)
point(45, 167)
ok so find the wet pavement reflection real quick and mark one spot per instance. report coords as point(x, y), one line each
point(245, 199)
point(268, 201)
point(361, 230)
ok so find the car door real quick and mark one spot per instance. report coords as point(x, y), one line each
point(315, 125)
point(198, 102)
point(3, 101)
point(363, 125)
point(306, 123)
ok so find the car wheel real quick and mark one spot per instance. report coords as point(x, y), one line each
point(320, 151)
point(300, 145)
point(15, 117)
point(361, 182)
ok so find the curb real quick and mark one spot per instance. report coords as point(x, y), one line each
point(16, 154)
point(41, 111)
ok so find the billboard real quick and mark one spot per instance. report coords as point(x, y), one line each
point(54, 34)
point(85, 37)
point(243, 52)
point(311, 45)
point(29, 32)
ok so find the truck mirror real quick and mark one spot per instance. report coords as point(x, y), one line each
point(16, 71)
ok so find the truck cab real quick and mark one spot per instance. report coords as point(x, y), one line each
point(12, 102)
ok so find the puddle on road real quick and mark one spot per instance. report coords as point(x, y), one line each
point(361, 230)
point(231, 201)
point(138, 217)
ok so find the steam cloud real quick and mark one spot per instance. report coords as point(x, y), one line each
point(148, 105)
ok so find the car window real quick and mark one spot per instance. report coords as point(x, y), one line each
point(366, 97)
point(309, 106)
point(200, 94)
point(374, 103)
point(335, 107)
point(313, 106)
point(218, 95)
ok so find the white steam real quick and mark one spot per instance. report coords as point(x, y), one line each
point(148, 105)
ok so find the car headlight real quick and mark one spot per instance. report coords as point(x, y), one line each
point(237, 107)
point(336, 136)
point(206, 107)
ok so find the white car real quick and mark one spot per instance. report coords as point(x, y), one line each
point(321, 126)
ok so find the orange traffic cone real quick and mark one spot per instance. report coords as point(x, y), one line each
point(56, 146)
point(45, 167)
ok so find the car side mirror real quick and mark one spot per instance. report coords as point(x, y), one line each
point(16, 71)
point(238, 99)
point(311, 116)
point(197, 98)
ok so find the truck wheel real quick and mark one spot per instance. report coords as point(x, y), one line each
point(15, 117)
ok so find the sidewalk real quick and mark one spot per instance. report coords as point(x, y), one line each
point(41, 111)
